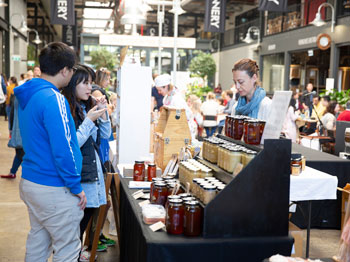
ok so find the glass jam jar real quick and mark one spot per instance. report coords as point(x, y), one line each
point(252, 132)
point(154, 180)
point(238, 123)
point(193, 219)
point(262, 124)
point(227, 125)
point(175, 217)
point(208, 194)
point(139, 171)
point(170, 187)
point(160, 193)
point(169, 198)
point(151, 171)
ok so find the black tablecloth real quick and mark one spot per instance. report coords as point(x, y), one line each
point(139, 243)
point(325, 213)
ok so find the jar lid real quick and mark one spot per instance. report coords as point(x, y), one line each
point(295, 155)
point(220, 187)
point(175, 201)
point(183, 195)
point(152, 164)
point(295, 165)
point(173, 197)
point(171, 185)
point(209, 187)
point(192, 203)
point(154, 179)
point(186, 199)
point(161, 184)
point(204, 184)
point(197, 180)
point(296, 159)
point(252, 152)
point(139, 162)
point(168, 177)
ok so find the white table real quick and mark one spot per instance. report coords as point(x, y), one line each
point(310, 185)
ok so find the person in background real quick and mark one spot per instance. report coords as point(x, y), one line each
point(298, 104)
point(223, 96)
point(173, 99)
point(328, 120)
point(3, 95)
point(210, 111)
point(157, 98)
point(92, 123)
point(218, 89)
point(221, 116)
point(345, 115)
point(289, 127)
point(9, 91)
point(252, 101)
point(15, 140)
point(320, 109)
point(50, 185)
point(30, 75)
point(36, 71)
point(308, 99)
point(3, 83)
point(194, 104)
point(23, 79)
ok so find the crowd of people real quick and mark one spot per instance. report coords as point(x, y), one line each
point(59, 118)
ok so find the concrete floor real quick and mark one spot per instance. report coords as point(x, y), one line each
point(14, 221)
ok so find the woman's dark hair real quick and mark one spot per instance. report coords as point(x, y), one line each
point(81, 75)
point(56, 56)
point(14, 80)
point(331, 107)
point(292, 103)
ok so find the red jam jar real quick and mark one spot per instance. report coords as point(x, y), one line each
point(160, 193)
point(139, 171)
point(238, 124)
point(262, 124)
point(192, 219)
point(151, 172)
point(228, 125)
point(252, 132)
point(170, 187)
point(175, 217)
point(169, 198)
point(154, 180)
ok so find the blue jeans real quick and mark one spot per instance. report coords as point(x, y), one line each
point(17, 161)
point(210, 130)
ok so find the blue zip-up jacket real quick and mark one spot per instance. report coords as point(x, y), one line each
point(52, 154)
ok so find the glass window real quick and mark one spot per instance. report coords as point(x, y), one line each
point(273, 72)
point(343, 7)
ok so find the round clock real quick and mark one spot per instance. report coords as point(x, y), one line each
point(323, 41)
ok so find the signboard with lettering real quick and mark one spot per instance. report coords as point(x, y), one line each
point(69, 35)
point(16, 58)
point(215, 13)
point(273, 5)
point(62, 12)
point(278, 111)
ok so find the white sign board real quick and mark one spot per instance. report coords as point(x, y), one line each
point(329, 85)
point(279, 107)
point(146, 41)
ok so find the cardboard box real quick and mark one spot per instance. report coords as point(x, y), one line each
point(298, 236)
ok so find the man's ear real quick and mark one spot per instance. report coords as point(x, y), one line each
point(64, 71)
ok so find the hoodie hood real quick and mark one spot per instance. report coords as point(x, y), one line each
point(25, 92)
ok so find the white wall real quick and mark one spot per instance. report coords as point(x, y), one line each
point(227, 60)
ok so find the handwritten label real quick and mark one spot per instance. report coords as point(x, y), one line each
point(274, 123)
point(146, 202)
point(155, 227)
point(138, 195)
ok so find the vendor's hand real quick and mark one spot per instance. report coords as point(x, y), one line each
point(83, 200)
point(94, 114)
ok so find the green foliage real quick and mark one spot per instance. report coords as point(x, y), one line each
point(341, 97)
point(103, 58)
point(198, 90)
point(203, 65)
point(31, 54)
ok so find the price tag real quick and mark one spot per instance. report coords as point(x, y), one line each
point(155, 227)
point(146, 196)
point(138, 195)
point(238, 169)
point(146, 202)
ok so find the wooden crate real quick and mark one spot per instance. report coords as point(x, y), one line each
point(171, 134)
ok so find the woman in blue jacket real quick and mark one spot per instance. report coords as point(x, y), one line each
point(92, 123)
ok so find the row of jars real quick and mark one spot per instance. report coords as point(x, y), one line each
point(205, 189)
point(161, 188)
point(251, 129)
point(297, 164)
point(230, 155)
point(139, 172)
point(184, 215)
point(190, 169)
point(210, 148)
